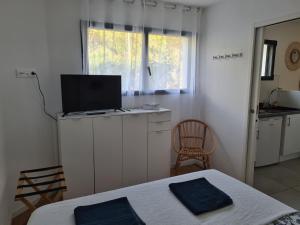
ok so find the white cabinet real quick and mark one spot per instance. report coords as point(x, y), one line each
point(291, 139)
point(268, 141)
point(158, 153)
point(108, 152)
point(76, 155)
point(134, 149)
point(159, 146)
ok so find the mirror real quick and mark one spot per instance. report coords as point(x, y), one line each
point(292, 56)
point(295, 56)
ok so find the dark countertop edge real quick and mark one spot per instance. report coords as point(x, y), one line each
point(275, 114)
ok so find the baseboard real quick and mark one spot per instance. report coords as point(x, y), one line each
point(289, 157)
point(185, 163)
point(19, 210)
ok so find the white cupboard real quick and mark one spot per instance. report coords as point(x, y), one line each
point(268, 141)
point(159, 155)
point(106, 152)
point(134, 149)
point(76, 143)
point(291, 140)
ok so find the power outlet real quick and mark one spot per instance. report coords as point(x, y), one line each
point(25, 73)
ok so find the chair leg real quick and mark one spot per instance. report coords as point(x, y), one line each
point(207, 162)
point(177, 165)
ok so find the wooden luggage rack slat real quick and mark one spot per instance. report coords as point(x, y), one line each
point(55, 185)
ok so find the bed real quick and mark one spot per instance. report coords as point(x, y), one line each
point(156, 205)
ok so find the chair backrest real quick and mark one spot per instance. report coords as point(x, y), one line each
point(194, 135)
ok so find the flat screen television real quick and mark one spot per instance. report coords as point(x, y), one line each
point(90, 93)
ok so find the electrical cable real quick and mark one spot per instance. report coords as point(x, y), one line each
point(43, 96)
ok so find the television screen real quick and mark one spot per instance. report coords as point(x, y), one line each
point(90, 92)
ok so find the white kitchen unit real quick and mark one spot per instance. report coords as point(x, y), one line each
point(268, 141)
point(107, 153)
point(114, 150)
point(158, 153)
point(135, 149)
point(159, 135)
point(76, 143)
point(291, 138)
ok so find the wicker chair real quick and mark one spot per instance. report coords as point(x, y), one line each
point(193, 139)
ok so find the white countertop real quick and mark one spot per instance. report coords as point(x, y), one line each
point(110, 113)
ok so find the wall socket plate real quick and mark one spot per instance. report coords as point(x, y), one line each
point(25, 73)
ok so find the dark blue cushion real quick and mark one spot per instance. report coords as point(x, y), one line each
point(115, 212)
point(200, 196)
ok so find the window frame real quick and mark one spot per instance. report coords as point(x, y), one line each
point(270, 60)
point(146, 70)
point(147, 32)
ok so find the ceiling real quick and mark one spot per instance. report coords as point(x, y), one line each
point(201, 3)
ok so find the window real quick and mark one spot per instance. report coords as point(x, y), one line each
point(268, 60)
point(148, 61)
point(116, 53)
point(168, 62)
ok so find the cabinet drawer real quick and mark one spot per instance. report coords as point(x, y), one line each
point(160, 117)
point(159, 126)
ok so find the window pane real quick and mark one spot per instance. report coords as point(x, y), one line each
point(264, 61)
point(116, 53)
point(268, 60)
point(168, 61)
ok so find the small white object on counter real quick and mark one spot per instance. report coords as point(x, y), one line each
point(151, 106)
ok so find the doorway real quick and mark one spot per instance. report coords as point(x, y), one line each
point(273, 160)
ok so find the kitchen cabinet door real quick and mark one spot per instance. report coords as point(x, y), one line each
point(76, 156)
point(291, 140)
point(159, 155)
point(268, 141)
point(134, 149)
point(108, 152)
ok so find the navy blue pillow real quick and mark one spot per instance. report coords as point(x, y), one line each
point(115, 212)
point(200, 196)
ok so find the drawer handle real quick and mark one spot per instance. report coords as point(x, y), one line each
point(159, 132)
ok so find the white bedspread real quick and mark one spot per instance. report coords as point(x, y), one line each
point(156, 205)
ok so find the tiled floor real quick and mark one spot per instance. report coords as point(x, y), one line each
point(281, 181)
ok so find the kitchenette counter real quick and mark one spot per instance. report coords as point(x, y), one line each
point(277, 111)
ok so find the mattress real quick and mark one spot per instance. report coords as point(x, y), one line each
point(156, 205)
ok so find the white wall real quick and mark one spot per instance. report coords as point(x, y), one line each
point(4, 200)
point(228, 27)
point(29, 136)
point(284, 34)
